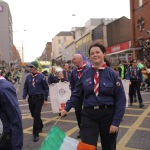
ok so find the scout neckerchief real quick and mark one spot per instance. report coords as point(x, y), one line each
point(96, 78)
point(134, 71)
point(79, 70)
point(33, 78)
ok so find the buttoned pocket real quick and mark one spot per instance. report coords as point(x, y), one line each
point(107, 88)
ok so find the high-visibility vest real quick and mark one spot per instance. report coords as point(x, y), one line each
point(122, 71)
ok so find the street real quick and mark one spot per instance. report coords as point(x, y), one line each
point(134, 133)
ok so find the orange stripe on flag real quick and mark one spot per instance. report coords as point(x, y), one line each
point(84, 146)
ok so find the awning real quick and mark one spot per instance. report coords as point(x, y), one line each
point(119, 52)
point(131, 49)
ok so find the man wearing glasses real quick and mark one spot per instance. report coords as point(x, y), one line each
point(136, 80)
point(36, 87)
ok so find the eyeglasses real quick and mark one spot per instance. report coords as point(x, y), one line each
point(31, 66)
point(134, 62)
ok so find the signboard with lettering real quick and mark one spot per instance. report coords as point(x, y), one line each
point(118, 47)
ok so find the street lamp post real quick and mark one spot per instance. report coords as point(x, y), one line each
point(22, 49)
point(22, 61)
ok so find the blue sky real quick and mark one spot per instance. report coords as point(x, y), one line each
point(43, 19)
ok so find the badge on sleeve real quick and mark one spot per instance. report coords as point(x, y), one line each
point(118, 83)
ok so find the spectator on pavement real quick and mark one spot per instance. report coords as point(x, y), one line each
point(122, 69)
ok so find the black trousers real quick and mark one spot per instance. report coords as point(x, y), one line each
point(78, 110)
point(5, 142)
point(95, 122)
point(35, 106)
point(135, 85)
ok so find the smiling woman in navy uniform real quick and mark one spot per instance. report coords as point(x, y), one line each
point(36, 87)
point(104, 101)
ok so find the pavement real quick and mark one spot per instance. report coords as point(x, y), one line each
point(134, 132)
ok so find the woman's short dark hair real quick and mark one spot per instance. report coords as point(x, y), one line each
point(102, 48)
point(97, 44)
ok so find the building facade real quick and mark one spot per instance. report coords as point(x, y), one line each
point(119, 41)
point(140, 27)
point(59, 42)
point(46, 55)
point(6, 36)
point(93, 30)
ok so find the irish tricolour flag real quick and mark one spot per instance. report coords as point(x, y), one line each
point(58, 140)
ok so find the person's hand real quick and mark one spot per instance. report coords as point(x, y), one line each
point(23, 101)
point(113, 129)
point(63, 112)
point(45, 103)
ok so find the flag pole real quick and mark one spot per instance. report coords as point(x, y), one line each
point(57, 121)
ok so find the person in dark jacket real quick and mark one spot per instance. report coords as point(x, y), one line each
point(136, 80)
point(52, 76)
point(66, 71)
point(10, 115)
point(74, 78)
point(36, 87)
point(104, 101)
point(122, 69)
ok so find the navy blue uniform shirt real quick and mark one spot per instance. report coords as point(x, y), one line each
point(67, 74)
point(40, 87)
point(74, 77)
point(10, 114)
point(111, 92)
point(52, 78)
point(130, 74)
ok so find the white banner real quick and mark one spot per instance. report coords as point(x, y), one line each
point(126, 89)
point(59, 94)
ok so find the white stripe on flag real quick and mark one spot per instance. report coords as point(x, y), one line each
point(69, 144)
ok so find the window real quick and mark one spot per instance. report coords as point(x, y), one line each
point(140, 2)
point(59, 41)
point(64, 38)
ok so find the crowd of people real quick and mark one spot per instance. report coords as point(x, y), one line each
point(97, 95)
point(13, 75)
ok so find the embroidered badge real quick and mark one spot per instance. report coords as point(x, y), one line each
point(118, 83)
point(88, 80)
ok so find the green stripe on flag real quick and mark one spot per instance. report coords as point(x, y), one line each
point(54, 139)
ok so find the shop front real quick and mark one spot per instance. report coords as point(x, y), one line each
point(118, 53)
